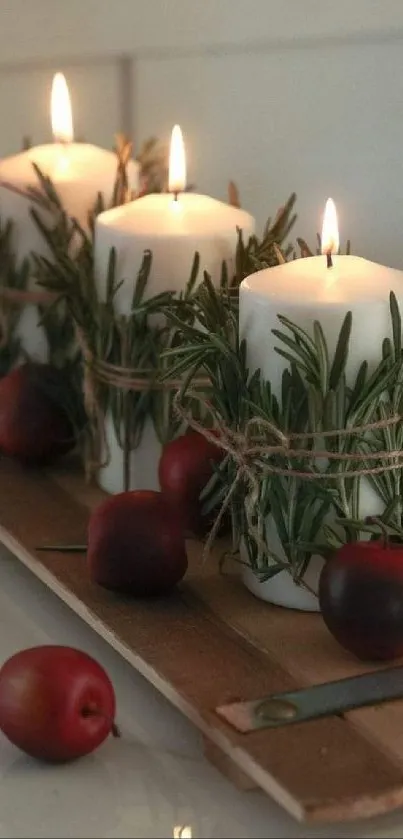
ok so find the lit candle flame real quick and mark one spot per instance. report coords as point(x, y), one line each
point(182, 832)
point(177, 162)
point(330, 231)
point(62, 120)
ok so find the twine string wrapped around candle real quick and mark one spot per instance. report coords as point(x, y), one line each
point(20, 297)
point(137, 379)
point(246, 449)
point(95, 441)
point(128, 379)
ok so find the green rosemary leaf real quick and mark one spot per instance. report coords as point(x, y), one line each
point(47, 188)
point(315, 406)
point(279, 517)
point(264, 500)
point(334, 539)
point(391, 510)
point(388, 431)
point(376, 528)
point(142, 280)
point(222, 346)
point(272, 570)
point(370, 398)
point(396, 324)
point(289, 357)
point(224, 278)
point(359, 384)
point(329, 412)
point(322, 355)
point(298, 333)
point(193, 275)
point(240, 256)
point(110, 279)
point(184, 327)
point(368, 385)
point(387, 350)
point(318, 548)
point(282, 224)
point(341, 354)
point(380, 487)
point(242, 350)
point(190, 361)
point(186, 350)
point(287, 406)
point(318, 518)
point(209, 289)
point(309, 362)
point(304, 248)
point(341, 398)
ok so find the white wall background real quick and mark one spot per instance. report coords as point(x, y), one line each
point(280, 95)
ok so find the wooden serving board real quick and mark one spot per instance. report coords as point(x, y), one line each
point(211, 643)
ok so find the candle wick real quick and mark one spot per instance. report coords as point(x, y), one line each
point(61, 141)
point(329, 260)
point(176, 195)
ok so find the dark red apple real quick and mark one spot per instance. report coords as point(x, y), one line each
point(34, 424)
point(56, 703)
point(136, 544)
point(185, 467)
point(361, 598)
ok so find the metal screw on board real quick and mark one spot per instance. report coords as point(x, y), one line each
point(276, 709)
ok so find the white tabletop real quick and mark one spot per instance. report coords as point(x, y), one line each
point(151, 781)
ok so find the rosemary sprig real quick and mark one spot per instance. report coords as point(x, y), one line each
point(13, 276)
point(209, 345)
point(257, 254)
point(388, 485)
point(316, 397)
point(134, 340)
point(213, 344)
point(305, 250)
point(334, 404)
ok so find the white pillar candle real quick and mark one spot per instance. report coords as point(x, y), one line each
point(79, 171)
point(305, 290)
point(173, 226)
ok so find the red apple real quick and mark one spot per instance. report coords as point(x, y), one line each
point(56, 703)
point(186, 465)
point(136, 544)
point(361, 598)
point(34, 425)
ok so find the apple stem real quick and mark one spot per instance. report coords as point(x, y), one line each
point(95, 712)
point(115, 730)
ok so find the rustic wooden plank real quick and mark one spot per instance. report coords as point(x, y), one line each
point(226, 765)
point(303, 645)
point(322, 770)
point(299, 641)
